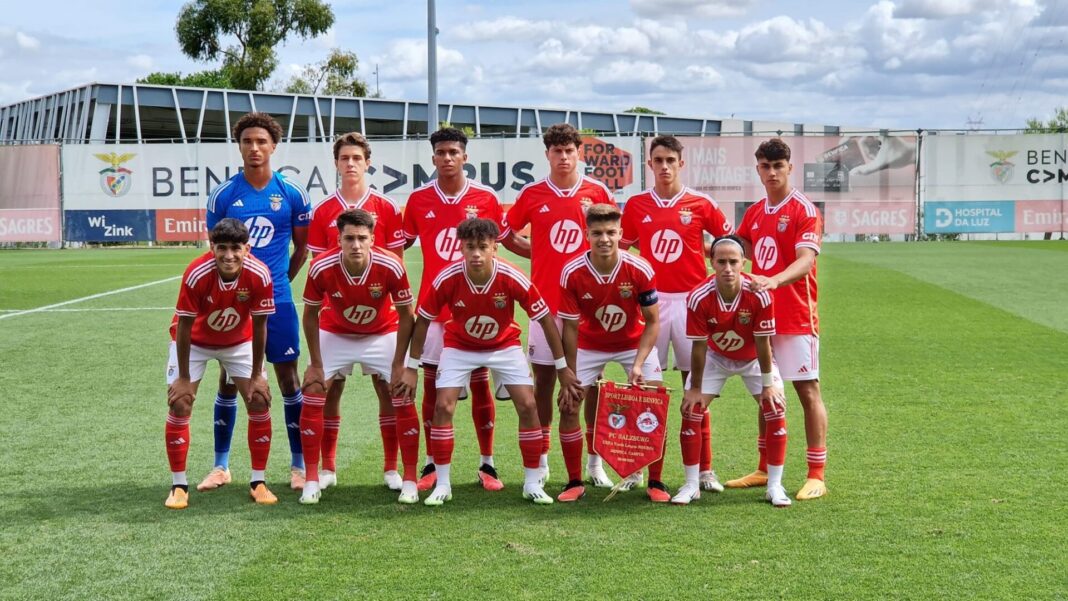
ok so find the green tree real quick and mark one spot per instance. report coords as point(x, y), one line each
point(257, 25)
point(641, 110)
point(1058, 124)
point(217, 78)
point(333, 76)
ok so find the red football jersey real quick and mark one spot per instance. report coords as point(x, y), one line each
point(223, 310)
point(607, 307)
point(322, 233)
point(775, 234)
point(729, 328)
point(432, 217)
point(483, 317)
point(670, 235)
point(557, 221)
point(363, 305)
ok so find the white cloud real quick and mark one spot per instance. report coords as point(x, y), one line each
point(504, 28)
point(622, 77)
point(941, 9)
point(674, 9)
point(140, 61)
point(406, 59)
point(27, 42)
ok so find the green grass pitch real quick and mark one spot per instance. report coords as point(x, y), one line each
point(943, 372)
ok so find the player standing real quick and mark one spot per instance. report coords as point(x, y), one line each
point(555, 209)
point(352, 157)
point(731, 325)
point(482, 333)
point(275, 210)
point(357, 310)
point(783, 232)
point(432, 214)
point(668, 223)
point(222, 310)
point(608, 303)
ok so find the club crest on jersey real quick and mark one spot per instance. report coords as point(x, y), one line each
point(243, 295)
point(626, 289)
point(115, 180)
point(375, 290)
point(500, 300)
point(276, 202)
point(471, 211)
point(744, 317)
point(784, 220)
point(685, 216)
point(586, 203)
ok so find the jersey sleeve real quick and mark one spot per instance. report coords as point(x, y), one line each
point(393, 226)
point(313, 293)
point(189, 302)
point(531, 301)
point(629, 224)
point(568, 308)
point(647, 296)
point(317, 241)
point(746, 225)
point(300, 207)
point(433, 302)
point(263, 297)
point(401, 290)
point(765, 316)
point(409, 223)
point(696, 326)
point(497, 215)
point(716, 223)
point(517, 217)
point(809, 233)
point(218, 203)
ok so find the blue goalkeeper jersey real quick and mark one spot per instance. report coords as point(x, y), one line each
point(270, 214)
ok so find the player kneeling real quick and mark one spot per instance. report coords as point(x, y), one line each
point(481, 291)
point(731, 328)
point(608, 307)
point(357, 309)
point(221, 314)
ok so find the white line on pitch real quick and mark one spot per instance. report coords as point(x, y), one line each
point(93, 310)
point(90, 297)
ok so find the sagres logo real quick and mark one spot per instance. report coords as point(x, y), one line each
point(1002, 169)
point(116, 179)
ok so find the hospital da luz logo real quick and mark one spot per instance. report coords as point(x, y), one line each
point(1002, 168)
point(115, 180)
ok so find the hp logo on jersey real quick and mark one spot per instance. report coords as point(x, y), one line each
point(728, 341)
point(611, 317)
point(360, 314)
point(482, 327)
point(223, 320)
point(766, 253)
point(667, 246)
point(448, 245)
point(565, 236)
point(260, 231)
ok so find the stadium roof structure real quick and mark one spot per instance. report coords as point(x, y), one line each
point(142, 113)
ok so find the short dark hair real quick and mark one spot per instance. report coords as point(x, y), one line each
point(773, 150)
point(731, 237)
point(256, 119)
point(229, 230)
point(670, 142)
point(356, 217)
point(602, 213)
point(352, 139)
point(561, 134)
point(448, 134)
point(477, 229)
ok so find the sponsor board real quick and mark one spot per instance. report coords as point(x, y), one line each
point(30, 225)
point(1041, 215)
point(110, 226)
point(869, 218)
point(181, 225)
point(991, 167)
point(984, 217)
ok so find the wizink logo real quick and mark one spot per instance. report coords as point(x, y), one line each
point(115, 180)
point(1002, 169)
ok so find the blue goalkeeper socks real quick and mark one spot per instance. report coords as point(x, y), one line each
point(225, 417)
point(292, 405)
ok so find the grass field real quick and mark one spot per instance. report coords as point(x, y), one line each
point(943, 371)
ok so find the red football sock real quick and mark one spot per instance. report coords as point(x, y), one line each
point(387, 425)
point(817, 459)
point(775, 435)
point(589, 440)
point(259, 438)
point(176, 435)
point(443, 443)
point(430, 399)
point(546, 439)
point(656, 468)
point(483, 410)
point(762, 451)
point(690, 438)
point(331, 429)
point(706, 441)
point(571, 445)
point(531, 442)
point(407, 433)
point(311, 434)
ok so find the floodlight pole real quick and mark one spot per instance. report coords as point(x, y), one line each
point(432, 67)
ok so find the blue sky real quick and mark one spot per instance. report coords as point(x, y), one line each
point(889, 63)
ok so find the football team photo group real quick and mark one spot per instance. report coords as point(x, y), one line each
point(665, 281)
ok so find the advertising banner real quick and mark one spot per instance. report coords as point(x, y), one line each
point(29, 196)
point(110, 226)
point(980, 167)
point(30, 225)
point(965, 217)
point(1040, 215)
point(870, 218)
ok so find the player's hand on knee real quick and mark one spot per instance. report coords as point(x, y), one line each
point(693, 401)
point(314, 380)
point(773, 400)
point(180, 390)
point(259, 390)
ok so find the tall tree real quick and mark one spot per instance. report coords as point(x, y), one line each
point(333, 76)
point(257, 25)
point(1058, 124)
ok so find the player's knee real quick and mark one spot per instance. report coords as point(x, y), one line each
point(256, 404)
point(182, 407)
point(808, 392)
